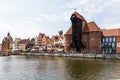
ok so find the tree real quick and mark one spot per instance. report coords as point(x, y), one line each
point(60, 32)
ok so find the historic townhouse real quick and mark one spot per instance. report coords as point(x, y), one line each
point(58, 42)
point(15, 44)
point(23, 44)
point(43, 42)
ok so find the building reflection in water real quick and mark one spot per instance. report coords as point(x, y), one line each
point(57, 68)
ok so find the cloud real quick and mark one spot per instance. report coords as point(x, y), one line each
point(26, 29)
point(55, 18)
point(100, 11)
point(76, 3)
point(5, 9)
point(26, 18)
point(111, 26)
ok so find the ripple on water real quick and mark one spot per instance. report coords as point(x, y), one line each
point(57, 68)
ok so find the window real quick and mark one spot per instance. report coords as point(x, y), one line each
point(110, 39)
point(113, 39)
point(110, 50)
point(118, 44)
point(106, 51)
point(113, 45)
point(106, 39)
point(105, 44)
point(103, 40)
point(102, 44)
point(103, 51)
point(109, 44)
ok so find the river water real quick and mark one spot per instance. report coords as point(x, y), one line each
point(57, 68)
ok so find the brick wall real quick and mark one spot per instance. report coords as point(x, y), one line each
point(118, 44)
point(85, 39)
point(95, 41)
point(68, 40)
point(92, 41)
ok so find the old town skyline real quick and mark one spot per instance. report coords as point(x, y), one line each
point(59, 40)
point(26, 19)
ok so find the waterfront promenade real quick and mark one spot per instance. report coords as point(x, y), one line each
point(79, 55)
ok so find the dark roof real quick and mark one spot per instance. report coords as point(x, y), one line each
point(79, 16)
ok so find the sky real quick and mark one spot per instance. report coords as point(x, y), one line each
point(27, 18)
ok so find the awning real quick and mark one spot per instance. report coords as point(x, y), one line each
point(61, 49)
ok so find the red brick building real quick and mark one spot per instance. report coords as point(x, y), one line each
point(43, 41)
point(7, 43)
point(111, 41)
point(22, 44)
point(90, 35)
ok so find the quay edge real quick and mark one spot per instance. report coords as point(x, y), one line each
point(78, 55)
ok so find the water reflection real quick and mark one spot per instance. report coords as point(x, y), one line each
point(83, 69)
point(57, 68)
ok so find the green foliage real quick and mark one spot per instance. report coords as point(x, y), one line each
point(60, 32)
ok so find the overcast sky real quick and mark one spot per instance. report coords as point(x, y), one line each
point(26, 18)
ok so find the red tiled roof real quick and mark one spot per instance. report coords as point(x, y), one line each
point(79, 16)
point(93, 27)
point(69, 31)
point(87, 27)
point(57, 37)
point(24, 41)
point(111, 32)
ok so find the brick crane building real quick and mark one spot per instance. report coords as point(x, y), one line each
point(82, 36)
point(85, 36)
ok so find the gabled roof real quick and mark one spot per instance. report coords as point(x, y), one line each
point(79, 16)
point(111, 32)
point(93, 27)
point(57, 37)
point(69, 31)
point(41, 34)
point(24, 41)
point(86, 27)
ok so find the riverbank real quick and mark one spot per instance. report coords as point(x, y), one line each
point(4, 54)
point(79, 55)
